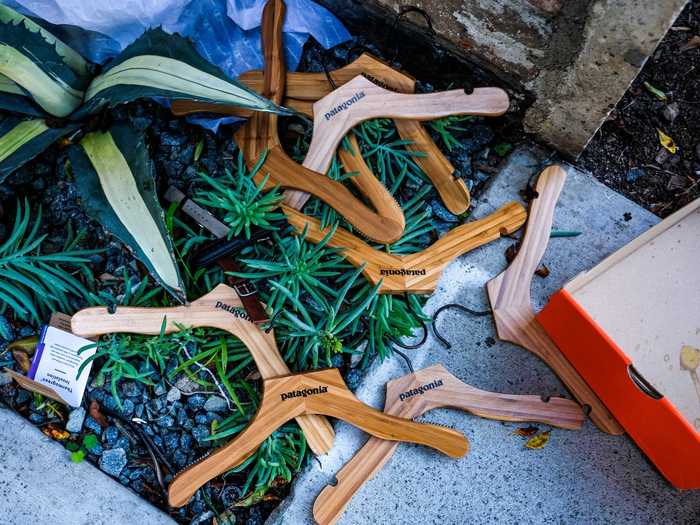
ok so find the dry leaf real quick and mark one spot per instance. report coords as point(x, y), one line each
point(667, 142)
point(55, 433)
point(26, 345)
point(525, 431)
point(97, 415)
point(538, 441)
point(692, 43)
point(542, 271)
point(22, 360)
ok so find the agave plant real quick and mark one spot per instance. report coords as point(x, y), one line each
point(53, 92)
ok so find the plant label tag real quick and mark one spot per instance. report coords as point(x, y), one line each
point(56, 363)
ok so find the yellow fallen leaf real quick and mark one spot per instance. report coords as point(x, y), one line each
point(667, 142)
point(538, 441)
point(55, 433)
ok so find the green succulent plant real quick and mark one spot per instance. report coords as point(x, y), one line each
point(51, 92)
point(33, 283)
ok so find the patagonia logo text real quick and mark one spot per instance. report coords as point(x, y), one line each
point(401, 271)
point(345, 105)
point(304, 393)
point(419, 391)
point(238, 312)
point(379, 82)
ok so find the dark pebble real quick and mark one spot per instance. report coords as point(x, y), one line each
point(186, 441)
point(37, 418)
point(6, 331)
point(180, 458)
point(166, 421)
point(110, 436)
point(353, 378)
point(93, 425)
point(172, 441)
point(196, 401)
point(201, 419)
point(200, 432)
point(97, 450)
point(172, 140)
point(128, 408)
point(138, 485)
point(22, 397)
point(635, 173)
point(113, 461)
point(132, 389)
point(182, 418)
point(230, 495)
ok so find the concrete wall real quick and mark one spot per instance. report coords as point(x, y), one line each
point(576, 57)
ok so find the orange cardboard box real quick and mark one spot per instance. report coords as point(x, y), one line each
point(631, 327)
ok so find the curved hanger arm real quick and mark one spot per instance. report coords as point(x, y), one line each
point(259, 136)
point(302, 89)
point(509, 294)
point(444, 390)
point(221, 308)
point(365, 181)
point(360, 100)
point(320, 392)
point(419, 272)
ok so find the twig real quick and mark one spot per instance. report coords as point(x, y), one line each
point(213, 377)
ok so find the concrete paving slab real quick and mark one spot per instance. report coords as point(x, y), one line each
point(580, 476)
point(39, 484)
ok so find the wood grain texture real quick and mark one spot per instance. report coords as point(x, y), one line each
point(221, 308)
point(509, 294)
point(360, 100)
point(417, 272)
point(302, 89)
point(259, 137)
point(336, 401)
point(451, 393)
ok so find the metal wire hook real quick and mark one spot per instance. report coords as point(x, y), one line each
point(272, 321)
point(405, 358)
point(324, 65)
point(403, 12)
point(438, 336)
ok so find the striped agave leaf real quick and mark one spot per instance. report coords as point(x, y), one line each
point(21, 140)
point(114, 177)
point(163, 65)
point(52, 74)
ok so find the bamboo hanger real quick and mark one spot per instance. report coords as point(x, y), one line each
point(360, 100)
point(509, 294)
point(302, 89)
point(415, 394)
point(259, 137)
point(221, 308)
point(418, 272)
point(320, 392)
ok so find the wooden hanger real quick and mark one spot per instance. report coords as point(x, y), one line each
point(302, 89)
point(360, 100)
point(259, 137)
point(509, 294)
point(417, 272)
point(221, 308)
point(415, 394)
point(320, 392)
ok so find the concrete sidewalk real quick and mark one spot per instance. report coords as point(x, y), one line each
point(580, 476)
point(40, 485)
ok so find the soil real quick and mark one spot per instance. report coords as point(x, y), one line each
point(626, 153)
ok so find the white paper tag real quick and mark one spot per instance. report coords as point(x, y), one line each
point(58, 363)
